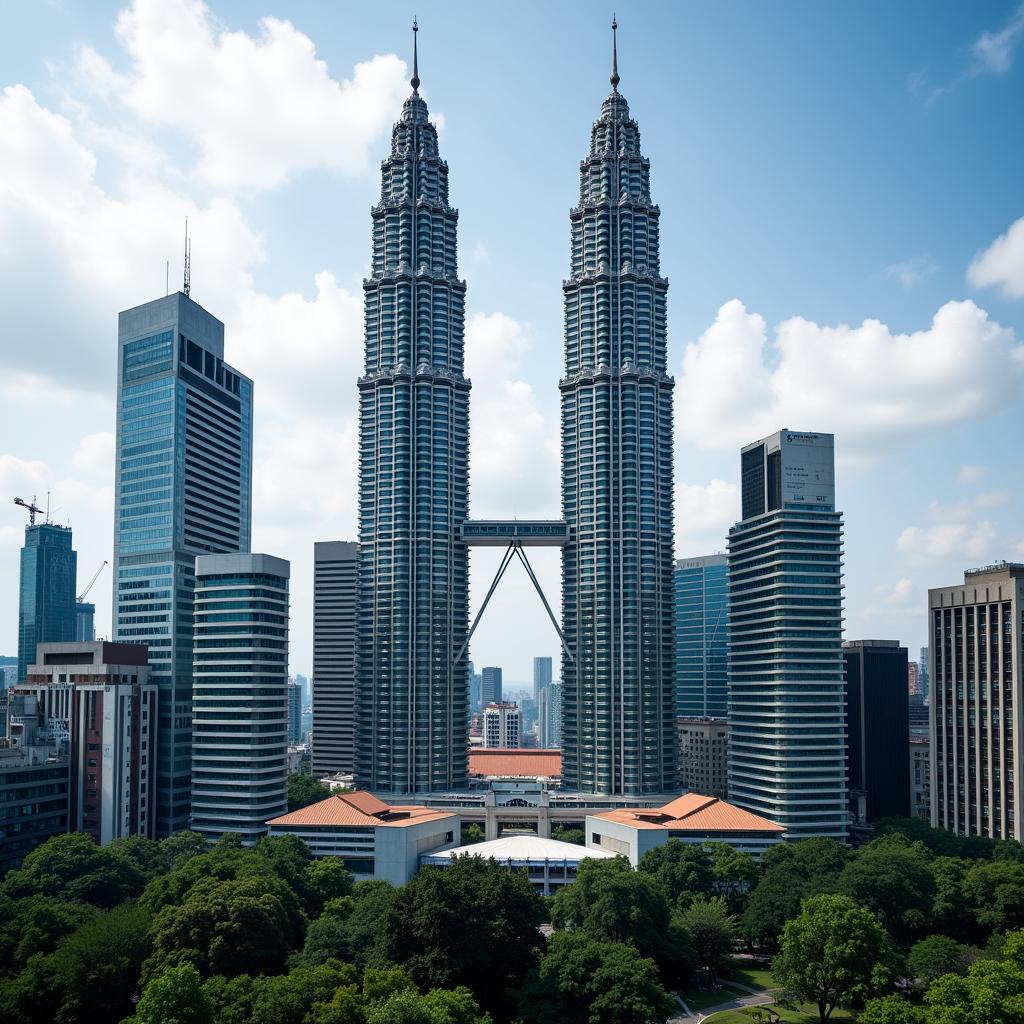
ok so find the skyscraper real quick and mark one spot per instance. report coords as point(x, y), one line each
point(976, 643)
point(787, 750)
point(294, 714)
point(183, 488)
point(618, 719)
point(490, 685)
point(240, 697)
point(541, 675)
point(702, 637)
point(85, 619)
point(412, 727)
point(923, 673)
point(549, 716)
point(335, 611)
point(46, 608)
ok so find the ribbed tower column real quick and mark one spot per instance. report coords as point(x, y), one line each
point(412, 723)
point(617, 702)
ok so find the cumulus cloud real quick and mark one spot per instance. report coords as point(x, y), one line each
point(971, 474)
point(1001, 265)
point(910, 272)
point(703, 515)
point(867, 384)
point(977, 542)
point(967, 510)
point(257, 108)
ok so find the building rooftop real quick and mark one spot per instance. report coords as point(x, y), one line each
point(696, 813)
point(515, 764)
point(523, 849)
point(358, 809)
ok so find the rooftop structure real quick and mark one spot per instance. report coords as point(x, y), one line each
point(515, 764)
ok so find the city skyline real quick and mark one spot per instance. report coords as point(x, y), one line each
point(953, 508)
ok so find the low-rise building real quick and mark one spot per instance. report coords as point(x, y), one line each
point(34, 783)
point(692, 818)
point(703, 755)
point(373, 839)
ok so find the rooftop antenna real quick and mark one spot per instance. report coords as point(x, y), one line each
point(615, 55)
point(415, 80)
point(167, 279)
point(188, 262)
point(47, 507)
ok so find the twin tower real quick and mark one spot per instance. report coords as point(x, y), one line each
point(618, 726)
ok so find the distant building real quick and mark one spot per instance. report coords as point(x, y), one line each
point(85, 622)
point(46, 607)
point(691, 818)
point(490, 686)
point(294, 714)
point(34, 786)
point(923, 673)
point(920, 777)
point(913, 679)
point(877, 726)
point(703, 755)
point(917, 711)
point(476, 682)
point(335, 613)
point(787, 755)
point(240, 695)
point(541, 675)
point(549, 716)
point(702, 636)
point(95, 703)
point(976, 678)
point(373, 839)
point(502, 726)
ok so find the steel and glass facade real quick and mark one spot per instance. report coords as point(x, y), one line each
point(702, 636)
point(46, 598)
point(240, 695)
point(618, 723)
point(787, 716)
point(412, 706)
point(183, 488)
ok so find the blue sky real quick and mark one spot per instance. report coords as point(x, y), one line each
point(828, 176)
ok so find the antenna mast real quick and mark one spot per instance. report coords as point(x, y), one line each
point(188, 262)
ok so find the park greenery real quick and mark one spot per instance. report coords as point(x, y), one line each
point(914, 927)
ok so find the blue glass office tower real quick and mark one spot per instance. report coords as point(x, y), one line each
point(618, 724)
point(702, 636)
point(183, 482)
point(412, 716)
point(46, 607)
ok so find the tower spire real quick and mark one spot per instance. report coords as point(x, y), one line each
point(615, 55)
point(415, 80)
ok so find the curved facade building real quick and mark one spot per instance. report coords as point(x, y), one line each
point(412, 724)
point(617, 702)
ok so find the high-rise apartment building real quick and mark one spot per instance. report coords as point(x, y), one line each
point(976, 645)
point(502, 726)
point(490, 685)
point(240, 695)
point(787, 749)
point(549, 716)
point(94, 703)
point(618, 717)
point(294, 714)
point(46, 607)
point(183, 488)
point(877, 730)
point(541, 675)
point(703, 755)
point(702, 637)
point(923, 673)
point(412, 727)
point(335, 617)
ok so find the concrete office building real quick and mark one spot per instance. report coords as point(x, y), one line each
point(46, 596)
point(335, 616)
point(877, 730)
point(702, 636)
point(34, 786)
point(549, 717)
point(703, 755)
point(502, 726)
point(294, 714)
point(490, 685)
point(95, 703)
point(240, 696)
point(413, 698)
point(921, 777)
point(787, 749)
point(976, 672)
point(541, 675)
point(182, 489)
point(618, 716)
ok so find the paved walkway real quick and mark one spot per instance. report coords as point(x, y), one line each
point(755, 998)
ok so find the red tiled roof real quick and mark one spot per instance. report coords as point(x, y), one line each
point(693, 812)
point(522, 763)
point(358, 809)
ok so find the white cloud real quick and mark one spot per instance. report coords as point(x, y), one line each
point(977, 542)
point(257, 108)
point(900, 593)
point(971, 474)
point(703, 515)
point(909, 272)
point(95, 454)
point(1002, 263)
point(993, 51)
point(966, 511)
point(870, 386)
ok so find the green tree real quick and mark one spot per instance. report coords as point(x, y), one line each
point(934, 956)
point(712, 931)
point(684, 870)
point(948, 915)
point(582, 980)
point(891, 877)
point(352, 929)
point(891, 1009)
point(439, 1006)
point(472, 833)
point(326, 879)
point(735, 873)
point(182, 846)
point(941, 842)
point(833, 954)
point(175, 996)
point(995, 891)
point(35, 924)
point(565, 834)
point(304, 790)
point(475, 924)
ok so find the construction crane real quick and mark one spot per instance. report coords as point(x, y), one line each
point(32, 507)
point(95, 576)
